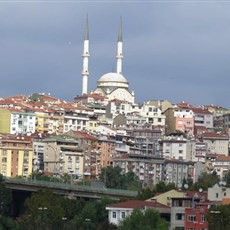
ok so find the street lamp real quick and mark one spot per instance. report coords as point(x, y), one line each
point(42, 218)
point(64, 220)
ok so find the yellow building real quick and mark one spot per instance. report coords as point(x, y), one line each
point(16, 156)
point(165, 198)
point(5, 120)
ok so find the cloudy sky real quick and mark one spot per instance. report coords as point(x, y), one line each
point(173, 50)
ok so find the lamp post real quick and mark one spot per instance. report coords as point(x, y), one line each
point(42, 223)
point(218, 224)
point(64, 222)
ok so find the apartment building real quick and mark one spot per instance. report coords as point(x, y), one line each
point(15, 121)
point(63, 154)
point(179, 119)
point(148, 169)
point(177, 148)
point(203, 117)
point(176, 171)
point(16, 155)
point(216, 143)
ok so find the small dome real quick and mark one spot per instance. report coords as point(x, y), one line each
point(113, 77)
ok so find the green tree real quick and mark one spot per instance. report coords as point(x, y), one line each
point(93, 216)
point(205, 181)
point(148, 220)
point(5, 198)
point(218, 217)
point(8, 223)
point(227, 179)
point(114, 178)
point(44, 210)
point(146, 193)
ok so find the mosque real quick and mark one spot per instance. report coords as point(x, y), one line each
point(113, 85)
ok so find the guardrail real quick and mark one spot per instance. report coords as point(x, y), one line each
point(74, 187)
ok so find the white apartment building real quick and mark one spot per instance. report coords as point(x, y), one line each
point(177, 148)
point(22, 122)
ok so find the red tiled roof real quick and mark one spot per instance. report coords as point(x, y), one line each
point(201, 111)
point(225, 201)
point(138, 204)
point(223, 158)
point(17, 98)
point(210, 135)
point(184, 105)
point(97, 96)
point(84, 135)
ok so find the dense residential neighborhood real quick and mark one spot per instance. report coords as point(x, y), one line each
point(108, 162)
point(158, 141)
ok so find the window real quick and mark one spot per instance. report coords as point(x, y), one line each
point(159, 119)
point(203, 218)
point(123, 215)
point(179, 216)
point(181, 151)
point(191, 218)
point(217, 195)
point(114, 215)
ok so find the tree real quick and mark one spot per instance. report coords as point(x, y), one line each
point(5, 198)
point(114, 178)
point(43, 211)
point(218, 217)
point(145, 193)
point(205, 181)
point(93, 216)
point(138, 220)
point(227, 179)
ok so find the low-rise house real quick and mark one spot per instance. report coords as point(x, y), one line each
point(195, 217)
point(119, 211)
point(178, 213)
point(218, 192)
point(166, 197)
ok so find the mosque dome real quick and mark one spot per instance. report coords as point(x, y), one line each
point(112, 77)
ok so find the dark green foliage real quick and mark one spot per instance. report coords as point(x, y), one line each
point(218, 217)
point(93, 216)
point(148, 220)
point(113, 178)
point(227, 179)
point(205, 181)
point(5, 198)
point(161, 187)
point(145, 194)
point(44, 210)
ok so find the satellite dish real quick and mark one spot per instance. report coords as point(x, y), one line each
point(179, 185)
point(200, 190)
point(185, 186)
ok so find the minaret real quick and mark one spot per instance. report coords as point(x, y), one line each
point(85, 55)
point(119, 49)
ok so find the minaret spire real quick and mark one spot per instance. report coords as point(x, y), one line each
point(85, 56)
point(119, 49)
